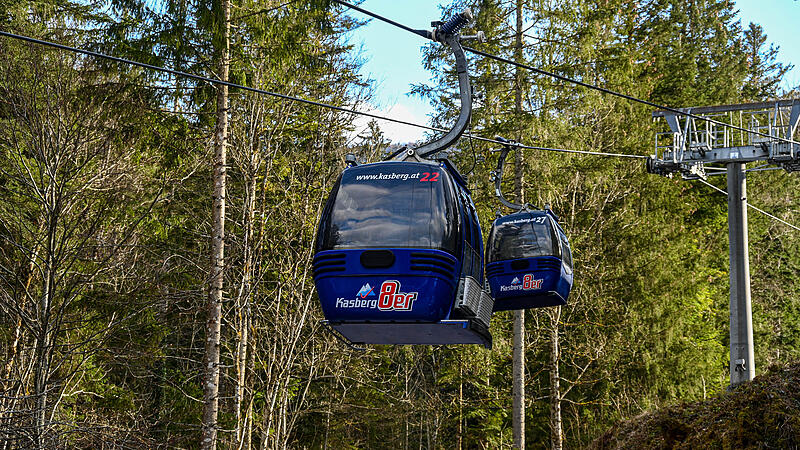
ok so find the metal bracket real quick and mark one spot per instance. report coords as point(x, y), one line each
point(410, 153)
point(690, 148)
point(793, 119)
point(688, 170)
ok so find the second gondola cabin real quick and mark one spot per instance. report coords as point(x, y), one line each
point(528, 261)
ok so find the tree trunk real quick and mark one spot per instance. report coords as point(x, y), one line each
point(215, 296)
point(556, 435)
point(460, 400)
point(43, 337)
point(519, 379)
point(249, 381)
point(243, 312)
point(10, 386)
point(518, 383)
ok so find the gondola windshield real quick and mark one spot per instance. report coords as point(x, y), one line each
point(525, 237)
point(397, 205)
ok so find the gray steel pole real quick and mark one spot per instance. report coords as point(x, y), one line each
point(742, 366)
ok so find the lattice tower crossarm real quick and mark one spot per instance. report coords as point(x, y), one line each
point(740, 133)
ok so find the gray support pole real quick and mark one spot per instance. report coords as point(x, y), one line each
point(742, 366)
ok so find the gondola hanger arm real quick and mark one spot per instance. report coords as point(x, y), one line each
point(497, 174)
point(448, 33)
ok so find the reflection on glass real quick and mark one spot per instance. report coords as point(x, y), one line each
point(525, 238)
point(566, 254)
point(397, 209)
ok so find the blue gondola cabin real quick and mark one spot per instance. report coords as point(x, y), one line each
point(399, 257)
point(529, 262)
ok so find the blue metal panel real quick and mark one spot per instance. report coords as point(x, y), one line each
point(420, 285)
point(544, 282)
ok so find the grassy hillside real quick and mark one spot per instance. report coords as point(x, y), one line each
point(761, 414)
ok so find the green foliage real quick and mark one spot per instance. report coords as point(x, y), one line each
point(647, 320)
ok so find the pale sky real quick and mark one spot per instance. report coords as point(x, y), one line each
point(394, 56)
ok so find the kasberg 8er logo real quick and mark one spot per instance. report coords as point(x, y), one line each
point(391, 298)
point(528, 284)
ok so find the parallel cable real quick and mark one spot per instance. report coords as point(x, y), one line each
point(325, 105)
point(572, 80)
point(750, 205)
point(209, 80)
point(625, 96)
point(580, 152)
point(376, 16)
point(287, 97)
point(551, 149)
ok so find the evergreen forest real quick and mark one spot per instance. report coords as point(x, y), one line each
point(157, 231)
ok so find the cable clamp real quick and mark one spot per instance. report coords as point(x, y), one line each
point(480, 36)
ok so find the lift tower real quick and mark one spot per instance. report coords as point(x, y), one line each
point(722, 140)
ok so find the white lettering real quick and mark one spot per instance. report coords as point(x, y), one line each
point(356, 303)
point(387, 176)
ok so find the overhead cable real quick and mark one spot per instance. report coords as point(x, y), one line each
point(625, 96)
point(571, 80)
point(286, 97)
point(376, 16)
point(750, 205)
point(580, 152)
point(208, 80)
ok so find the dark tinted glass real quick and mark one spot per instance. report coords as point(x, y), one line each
point(392, 205)
point(566, 254)
point(467, 226)
point(523, 236)
point(476, 241)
